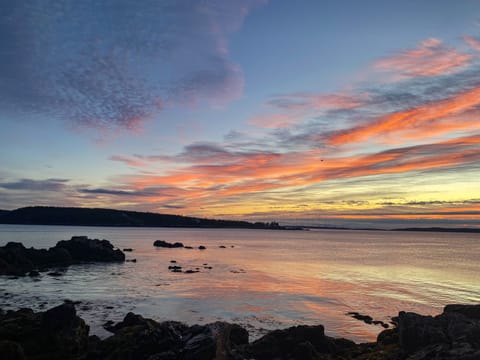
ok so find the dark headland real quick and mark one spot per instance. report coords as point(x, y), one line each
point(46, 215)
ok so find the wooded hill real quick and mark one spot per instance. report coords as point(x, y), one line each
point(42, 215)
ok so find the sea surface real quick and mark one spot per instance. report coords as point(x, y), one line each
point(262, 279)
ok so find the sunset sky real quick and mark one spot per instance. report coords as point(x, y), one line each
point(363, 113)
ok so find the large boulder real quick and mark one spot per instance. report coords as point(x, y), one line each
point(56, 334)
point(298, 342)
point(454, 334)
point(139, 338)
point(219, 340)
point(83, 249)
point(14, 259)
point(17, 260)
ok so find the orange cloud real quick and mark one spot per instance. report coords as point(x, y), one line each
point(430, 58)
point(427, 115)
point(254, 173)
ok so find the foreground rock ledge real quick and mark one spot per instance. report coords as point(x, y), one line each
point(16, 259)
point(60, 334)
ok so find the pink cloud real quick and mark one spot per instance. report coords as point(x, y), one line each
point(474, 43)
point(274, 121)
point(431, 57)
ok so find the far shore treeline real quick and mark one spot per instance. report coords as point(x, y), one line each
point(46, 215)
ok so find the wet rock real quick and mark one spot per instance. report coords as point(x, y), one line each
point(83, 249)
point(17, 260)
point(288, 343)
point(470, 311)
point(365, 318)
point(191, 271)
point(56, 334)
point(218, 340)
point(454, 334)
point(55, 273)
point(139, 338)
point(11, 350)
point(164, 244)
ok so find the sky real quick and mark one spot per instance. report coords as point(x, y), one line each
point(343, 113)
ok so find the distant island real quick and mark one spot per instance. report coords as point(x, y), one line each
point(46, 215)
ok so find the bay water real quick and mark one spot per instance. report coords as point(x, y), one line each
point(260, 279)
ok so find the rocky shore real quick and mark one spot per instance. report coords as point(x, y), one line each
point(59, 334)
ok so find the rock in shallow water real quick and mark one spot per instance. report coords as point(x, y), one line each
point(165, 244)
point(15, 259)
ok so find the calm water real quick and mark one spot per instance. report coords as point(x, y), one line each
point(267, 280)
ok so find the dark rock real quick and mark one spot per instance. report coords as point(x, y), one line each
point(56, 334)
point(139, 338)
point(174, 267)
point(55, 273)
point(388, 337)
point(454, 334)
point(33, 273)
point(83, 249)
point(218, 340)
point(416, 331)
point(365, 318)
point(17, 260)
point(200, 347)
point(173, 261)
point(189, 247)
point(191, 271)
point(201, 247)
point(284, 344)
point(222, 247)
point(164, 244)
point(131, 260)
point(470, 311)
point(11, 350)
point(128, 249)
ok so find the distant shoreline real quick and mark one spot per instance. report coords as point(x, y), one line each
point(409, 229)
point(97, 217)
